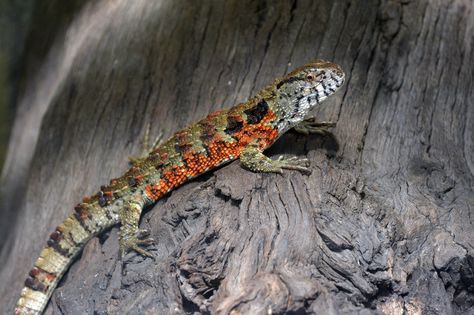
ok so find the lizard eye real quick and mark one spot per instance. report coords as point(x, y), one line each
point(310, 77)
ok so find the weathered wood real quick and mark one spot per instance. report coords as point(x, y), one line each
point(383, 224)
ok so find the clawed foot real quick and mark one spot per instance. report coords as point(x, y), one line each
point(134, 241)
point(310, 125)
point(293, 163)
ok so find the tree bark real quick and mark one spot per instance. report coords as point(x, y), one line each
point(382, 225)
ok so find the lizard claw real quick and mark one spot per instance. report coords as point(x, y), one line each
point(132, 242)
point(141, 251)
point(146, 241)
point(293, 163)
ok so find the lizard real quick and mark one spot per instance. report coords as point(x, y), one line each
point(243, 131)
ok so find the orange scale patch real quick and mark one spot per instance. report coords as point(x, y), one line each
point(108, 194)
point(218, 150)
point(153, 192)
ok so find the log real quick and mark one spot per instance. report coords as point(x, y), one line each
point(382, 225)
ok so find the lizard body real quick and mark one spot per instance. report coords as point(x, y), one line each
point(243, 131)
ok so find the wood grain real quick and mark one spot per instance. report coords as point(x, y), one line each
point(383, 224)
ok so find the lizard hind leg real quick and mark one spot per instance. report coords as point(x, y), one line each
point(131, 237)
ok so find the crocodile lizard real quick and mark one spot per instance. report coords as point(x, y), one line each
point(243, 131)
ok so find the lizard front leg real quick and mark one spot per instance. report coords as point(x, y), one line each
point(253, 159)
point(311, 126)
point(131, 237)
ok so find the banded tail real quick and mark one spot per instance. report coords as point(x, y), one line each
point(62, 247)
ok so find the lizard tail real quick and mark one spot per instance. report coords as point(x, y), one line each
point(62, 247)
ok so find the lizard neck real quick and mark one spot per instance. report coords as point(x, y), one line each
point(290, 107)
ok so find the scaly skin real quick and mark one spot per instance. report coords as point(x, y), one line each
point(243, 131)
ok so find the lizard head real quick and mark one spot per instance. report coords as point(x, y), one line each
point(304, 88)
